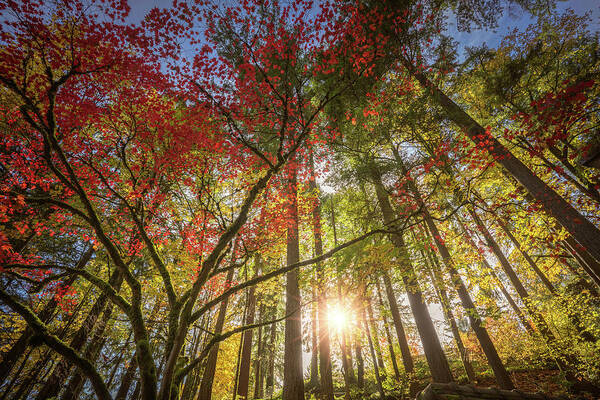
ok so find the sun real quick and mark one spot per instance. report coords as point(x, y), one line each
point(338, 317)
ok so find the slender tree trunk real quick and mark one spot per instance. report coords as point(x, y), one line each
point(587, 262)
point(438, 364)
point(375, 336)
point(258, 372)
point(91, 353)
point(365, 325)
point(582, 230)
point(360, 363)
point(208, 376)
point(270, 380)
point(323, 331)
point(293, 383)
point(314, 342)
point(438, 283)
point(583, 332)
point(244, 373)
point(388, 334)
point(502, 377)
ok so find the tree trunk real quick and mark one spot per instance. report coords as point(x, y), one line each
point(258, 371)
point(373, 354)
point(438, 284)
point(270, 379)
point(502, 377)
point(323, 332)
point(360, 363)
point(244, 372)
point(438, 364)
point(293, 383)
point(374, 335)
point(205, 390)
point(388, 335)
point(582, 230)
point(516, 309)
point(314, 357)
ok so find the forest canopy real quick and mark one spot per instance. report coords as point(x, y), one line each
point(297, 200)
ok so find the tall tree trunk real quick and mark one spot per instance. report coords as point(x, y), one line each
point(270, 379)
point(582, 230)
point(314, 342)
point(375, 336)
point(501, 374)
point(346, 354)
point(438, 364)
point(293, 383)
point(440, 290)
point(574, 318)
point(388, 335)
point(53, 385)
point(258, 372)
point(244, 373)
point(91, 353)
point(587, 262)
point(360, 362)
point(127, 379)
point(205, 390)
point(324, 345)
point(365, 325)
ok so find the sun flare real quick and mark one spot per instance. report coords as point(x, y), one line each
point(338, 317)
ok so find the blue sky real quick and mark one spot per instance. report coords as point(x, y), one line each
point(520, 20)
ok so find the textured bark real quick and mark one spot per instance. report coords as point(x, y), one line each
point(501, 374)
point(244, 373)
point(258, 359)
point(440, 290)
point(314, 342)
point(293, 383)
point(360, 363)
point(326, 383)
point(388, 335)
point(583, 231)
point(407, 359)
point(205, 389)
point(127, 379)
point(438, 364)
point(270, 378)
point(374, 357)
point(375, 337)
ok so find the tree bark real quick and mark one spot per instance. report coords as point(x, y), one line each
point(438, 364)
point(374, 357)
point(388, 335)
point(293, 383)
point(208, 376)
point(244, 372)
